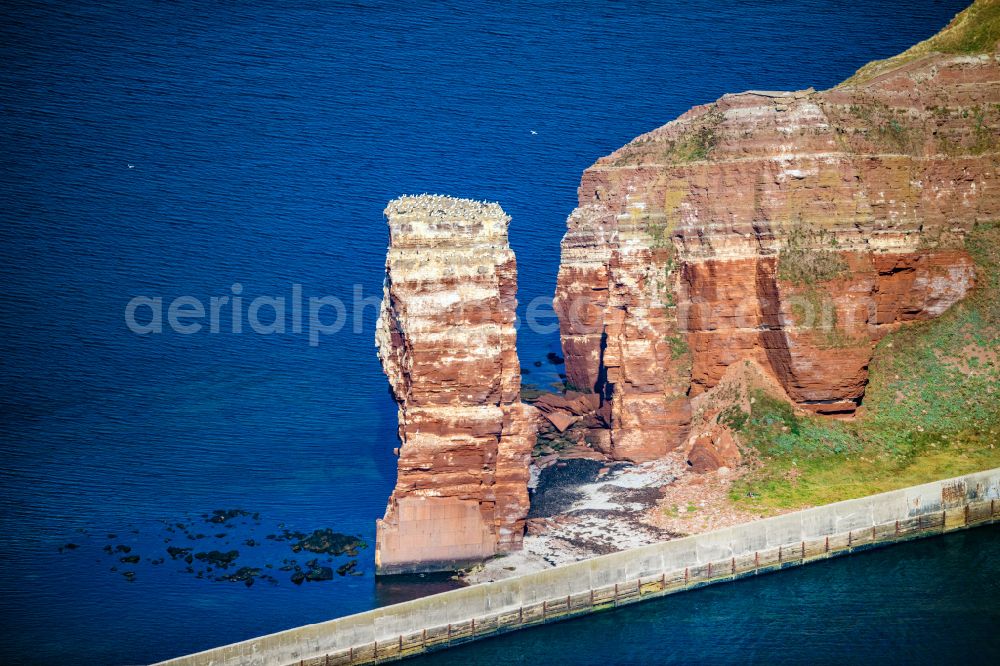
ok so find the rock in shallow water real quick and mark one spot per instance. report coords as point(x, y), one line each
point(218, 558)
point(331, 543)
point(245, 575)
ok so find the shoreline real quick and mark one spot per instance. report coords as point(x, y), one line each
point(608, 581)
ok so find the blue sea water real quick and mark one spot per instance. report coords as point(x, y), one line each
point(924, 602)
point(176, 149)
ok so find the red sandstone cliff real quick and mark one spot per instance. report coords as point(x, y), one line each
point(790, 229)
point(446, 339)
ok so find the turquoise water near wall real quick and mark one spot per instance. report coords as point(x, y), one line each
point(932, 601)
point(172, 149)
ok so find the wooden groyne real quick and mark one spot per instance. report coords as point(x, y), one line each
point(459, 616)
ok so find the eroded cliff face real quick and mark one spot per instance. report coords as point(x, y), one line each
point(446, 340)
point(789, 229)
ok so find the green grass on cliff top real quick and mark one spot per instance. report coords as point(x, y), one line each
point(932, 410)
point(974, 30)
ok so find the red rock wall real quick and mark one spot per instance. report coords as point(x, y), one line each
point(791, 229)
point(446, 339)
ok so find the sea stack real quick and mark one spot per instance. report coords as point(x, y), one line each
point(788, 230)
point(446, 339)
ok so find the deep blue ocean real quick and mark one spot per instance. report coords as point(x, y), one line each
point(165, 150)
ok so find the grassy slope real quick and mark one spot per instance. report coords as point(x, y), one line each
point(974, 30)
point(932, 410)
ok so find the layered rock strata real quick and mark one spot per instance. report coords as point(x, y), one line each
point(446, 339)
point(792, 229)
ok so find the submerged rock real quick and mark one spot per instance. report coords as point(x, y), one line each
point(331, 543)
point(218, 558)
point(317, 574)
point(220, 516)
point(349, 569)
point(243, 575)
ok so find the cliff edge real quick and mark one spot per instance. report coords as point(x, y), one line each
point(790, 230)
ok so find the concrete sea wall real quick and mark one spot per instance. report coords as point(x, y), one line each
point(458, 616)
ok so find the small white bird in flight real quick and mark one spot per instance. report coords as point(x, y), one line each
point(533, 132)
point(131, 166)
